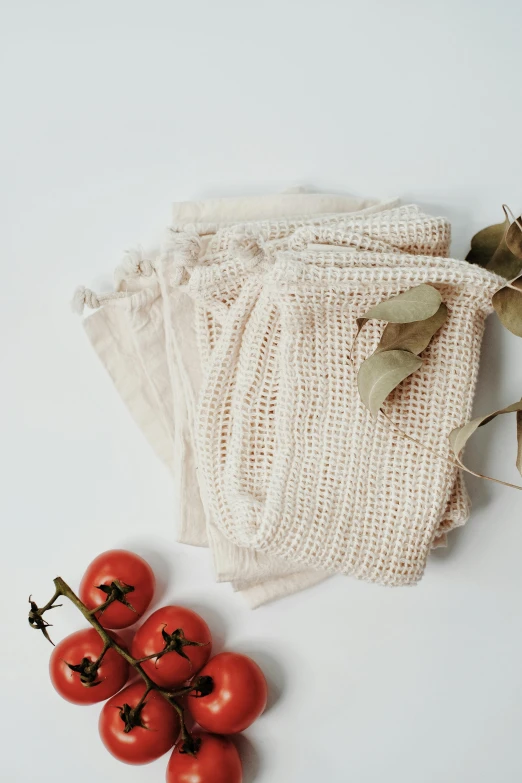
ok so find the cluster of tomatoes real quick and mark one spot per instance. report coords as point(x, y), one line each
point(138, 723)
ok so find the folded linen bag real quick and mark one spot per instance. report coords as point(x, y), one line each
point(130, 336)
point(231, 563)
point(372, 511)
point(403, 229)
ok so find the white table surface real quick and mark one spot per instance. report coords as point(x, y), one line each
point(110, 111)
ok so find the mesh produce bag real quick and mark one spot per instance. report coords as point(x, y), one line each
point(155, 341)
point(342, 492)
point(226, 257)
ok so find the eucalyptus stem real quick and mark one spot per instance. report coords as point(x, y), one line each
point(456, 462)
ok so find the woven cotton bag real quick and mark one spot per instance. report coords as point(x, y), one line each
point(220, 270)
point(127, 333)
point(404, 228)
point(185, 249)
point(135, 331)
point(345, 493)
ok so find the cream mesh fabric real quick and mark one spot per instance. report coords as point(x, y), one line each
point(230, 564)
point(227, 261)
point(215, 280)
point(230, 347)
point(236, 248)
point(280, 400)
point(145, 334)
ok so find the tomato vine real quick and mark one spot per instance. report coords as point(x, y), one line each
point(199, 685)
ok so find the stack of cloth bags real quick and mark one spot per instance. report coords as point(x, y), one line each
point(233, 346)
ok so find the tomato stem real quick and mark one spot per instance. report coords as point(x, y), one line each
point(97, 663)
point(62, 589)
point(116, 591)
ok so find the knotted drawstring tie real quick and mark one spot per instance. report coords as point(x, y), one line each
point(84, 297)
point(134, 264)
point(257, 250)
point(184, 247)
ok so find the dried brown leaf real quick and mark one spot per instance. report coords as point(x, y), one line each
point(508, 306)
point(414, 336)
point(514, 237)
point(416, 304)
point(485, 242)
point(504, 263)
point(460, 436)
point(381, 373)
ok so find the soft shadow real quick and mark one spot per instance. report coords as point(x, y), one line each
point(272, 669)
point(216, 624)
point(249, 758)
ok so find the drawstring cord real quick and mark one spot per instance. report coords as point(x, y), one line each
point(183, 248)
point(84, 297)
point(134, 264)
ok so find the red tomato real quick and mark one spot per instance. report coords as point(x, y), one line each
point(128, 576)
point(81, 650)
point(142, 743)
point(217, 761)
point(170, 628)
point(238, 696)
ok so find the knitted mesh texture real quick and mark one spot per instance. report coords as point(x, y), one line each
point(293, 463)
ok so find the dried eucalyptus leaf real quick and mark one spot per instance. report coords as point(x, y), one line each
point(498, 248)
point(413, 337)
point(381, 373)
point(485, 242)
point(508, 306)
point(416, 304)
point(514, 237)
point(504, 263)
point(460, 436)
point(519, 442)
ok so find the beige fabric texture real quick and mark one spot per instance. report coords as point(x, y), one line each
point(230, 347)
point(280, 401)
point(157, 371)
point(242, 566)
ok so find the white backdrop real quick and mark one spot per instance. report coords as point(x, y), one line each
point(111, 110)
